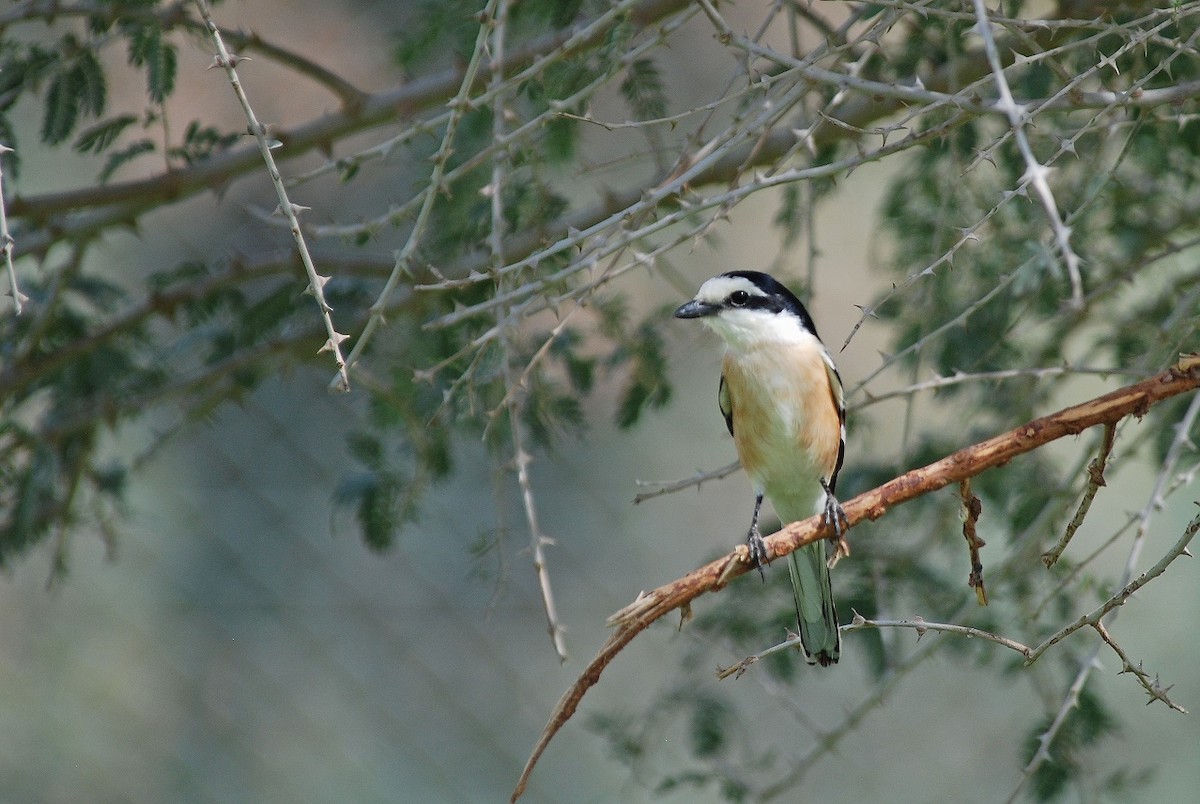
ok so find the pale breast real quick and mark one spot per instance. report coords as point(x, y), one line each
point(785, 422)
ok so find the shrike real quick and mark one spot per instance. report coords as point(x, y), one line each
point(782, 401)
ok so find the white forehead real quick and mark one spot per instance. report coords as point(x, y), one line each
point(719, 287)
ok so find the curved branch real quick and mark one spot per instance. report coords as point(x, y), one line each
point(1132, 400)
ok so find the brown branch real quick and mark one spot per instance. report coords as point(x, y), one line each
point(1132, 400)
point(973, 508)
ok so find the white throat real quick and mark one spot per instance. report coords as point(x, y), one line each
point(746, 330)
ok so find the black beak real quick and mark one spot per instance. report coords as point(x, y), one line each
point(697, 309)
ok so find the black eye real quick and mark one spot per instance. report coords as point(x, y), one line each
point(739, 298)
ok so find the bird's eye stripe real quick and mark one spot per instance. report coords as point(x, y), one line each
point(741, 299)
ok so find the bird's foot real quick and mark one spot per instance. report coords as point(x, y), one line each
point(758, 550)
point(836, 521)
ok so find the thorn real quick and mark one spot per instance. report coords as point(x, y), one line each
point(222, 63)
point(333, 343)
point(321, 282)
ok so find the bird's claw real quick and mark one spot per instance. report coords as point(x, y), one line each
point(758, 551)
point(835, 519)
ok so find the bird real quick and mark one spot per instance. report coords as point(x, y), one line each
point(783, 403)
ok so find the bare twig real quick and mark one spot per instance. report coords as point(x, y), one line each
point(831, 739)
point(1035, 172)
point(7, 243)
point(961, 377)
point(404, 257)
point(1097, 614)
point(316, 283)
point(919, 624)
point(661, 487)
point(1044, 740)
point(1152, 686)
point(495, 19)
point(1095, 481)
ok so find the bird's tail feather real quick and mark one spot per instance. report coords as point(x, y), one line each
point(813, 593)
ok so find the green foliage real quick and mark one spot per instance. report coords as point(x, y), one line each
point(1086, 725)
point(436, 28)
point(379, 495)
point(149, 50)
point(100, 137)
point(122, 156)
point(557, 13)
point(644, 91)
point(638, 350)
point(712, 718)
point(76, 87)
point(200, 142)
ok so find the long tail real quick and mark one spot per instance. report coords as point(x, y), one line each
point(814, 604)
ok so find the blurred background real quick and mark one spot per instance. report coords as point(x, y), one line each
point(227, 636)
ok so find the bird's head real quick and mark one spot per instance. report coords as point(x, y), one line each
point(749, 308)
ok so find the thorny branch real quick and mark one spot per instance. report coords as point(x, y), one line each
point(1109, 608)
point(316, 283)
point(969, 462)
point(1152, 686)
point(1035, 172)
point(515, 396)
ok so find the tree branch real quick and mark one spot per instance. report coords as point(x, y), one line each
point(316, 282)
point(1133, 400)
point(377, 108)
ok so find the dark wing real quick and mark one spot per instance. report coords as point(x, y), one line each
point(839, 402)
point(726, 404)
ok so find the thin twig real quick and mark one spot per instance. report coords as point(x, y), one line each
point(662, 487)
point(960, 377)
point(919, 624)
point(1070, 701)
point(495, 18)
point(403, 266)
point(8, 244)
point(830, 741)
point(1035, 172)
point(1095, 471)
point(1153, 688)
point(316, 283)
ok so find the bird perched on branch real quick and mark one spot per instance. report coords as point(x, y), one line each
point(783, 404)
